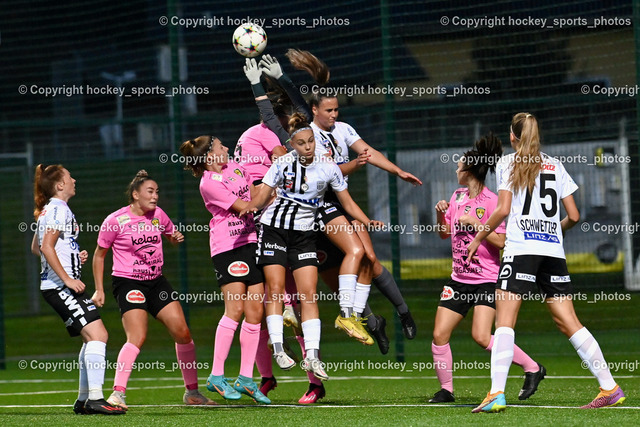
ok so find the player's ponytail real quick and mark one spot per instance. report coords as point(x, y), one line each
point(306, 61)
point(297, 122)
point(44, 185)
point(483, 157)
point(136, 182)
point(195, 154)
point(528, 160)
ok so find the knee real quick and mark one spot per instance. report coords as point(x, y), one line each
point(483, 339)
point(234, 312)
point(357, 253)
point(182, 335)
point(440, 337)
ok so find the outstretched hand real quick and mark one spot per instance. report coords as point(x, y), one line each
point(411, 179)
point(270, 66)
point(252, 71)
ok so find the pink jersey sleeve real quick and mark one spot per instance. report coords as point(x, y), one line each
point(167, 225)
point(214, 193)
point(449, 213)
point(108, 232)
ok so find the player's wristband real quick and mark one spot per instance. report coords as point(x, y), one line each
point(285, 78)
point(258, 90)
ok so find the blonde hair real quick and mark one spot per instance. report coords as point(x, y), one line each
point(528, 160)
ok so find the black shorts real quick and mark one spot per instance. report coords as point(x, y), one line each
point(238, 265)
point(75, 310)
point(521, 273)
point(150, 295)
point(329, 255)
point(291, 248)
point(330, 211)
point(460, 297)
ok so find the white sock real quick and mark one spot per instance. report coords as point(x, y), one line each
point(501, 358)
point(361, 297)
point(83, 386)
point(346, 293)
point(95, 363)
point(311, 332)
point(276, 329)
point(590, 353)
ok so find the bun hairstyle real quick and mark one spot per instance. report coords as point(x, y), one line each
point(44, 185)
point(141, 177)
point(528, 160)
point(297, 122)
point(483, 157)
point(195, 154)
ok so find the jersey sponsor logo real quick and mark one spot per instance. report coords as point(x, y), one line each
point(459, 197)
point(560, 279)
point(304, 186)
point(322, 256)
point(216, 177)
point(526, 277)
point(541, 237)
point(480, 212)
point(467, 209)
point(289, 174)
point(269, 253)
point(505, 272)
point(135, 297)
point(547, 167)
point(447, 293)
point(145, 240)
point(288, 184)
point(71, 302)
point(507, 258)
point(307, 255)
point(275, 246)
point(330, 210)
point(238, 269)
point(124, 219)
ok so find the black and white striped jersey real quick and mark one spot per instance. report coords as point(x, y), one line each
point(56, 215)
point(300, 190)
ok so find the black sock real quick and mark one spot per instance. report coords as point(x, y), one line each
point(389, 288)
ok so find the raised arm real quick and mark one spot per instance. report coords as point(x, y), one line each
point(271, 67)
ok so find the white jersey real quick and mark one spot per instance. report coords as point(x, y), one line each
point(56, 215)
point(300, 191)
point(337, 140)
point(534, 227)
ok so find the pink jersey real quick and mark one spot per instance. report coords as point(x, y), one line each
point(136, 242)
point(486, 269)
point(254, 149)
point(220, 191)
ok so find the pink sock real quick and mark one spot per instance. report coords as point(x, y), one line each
point(249, 339)
point(520, 358)
point(443, 363)
point(224, 337)
point(126, 358)
point(312, 378)
point(263, 355)
point(186, 354)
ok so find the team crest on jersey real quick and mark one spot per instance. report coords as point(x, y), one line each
point(216, 177)
point(467, 209)
point(155, 222)
point(238, 172)
point(135, 297)
point(339, 149)
point(124, 219)
point(480, 212)
point(447, 293)
point(238, 269)
point(321, 185)
point(288, 184)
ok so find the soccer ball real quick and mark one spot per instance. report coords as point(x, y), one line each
point(249, 40)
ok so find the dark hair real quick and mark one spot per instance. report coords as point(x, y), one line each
point(297, 122)
point(141, 177)
point(44, 185)
point(195, 153)
point(483, 157)
point(306, 61)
